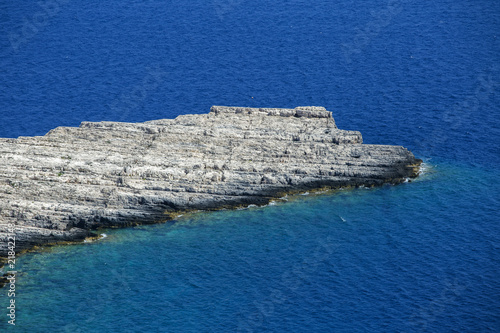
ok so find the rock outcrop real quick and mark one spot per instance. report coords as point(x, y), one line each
point(60, 186)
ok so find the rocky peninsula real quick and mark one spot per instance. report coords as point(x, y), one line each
point(61, 186)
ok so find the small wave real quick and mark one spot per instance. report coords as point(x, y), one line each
point(343, 219)
point(424, 168)
point(272, 203)
point(306, 193)
point(91, 240)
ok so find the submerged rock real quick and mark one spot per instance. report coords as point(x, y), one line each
point(60, 186)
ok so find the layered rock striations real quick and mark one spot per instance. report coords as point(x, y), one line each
point(60, 186)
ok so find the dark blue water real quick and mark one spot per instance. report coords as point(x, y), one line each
point(419, 257)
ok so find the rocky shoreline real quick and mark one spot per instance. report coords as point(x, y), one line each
point(62, 186)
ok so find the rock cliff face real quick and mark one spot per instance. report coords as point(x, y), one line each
point(60, 186)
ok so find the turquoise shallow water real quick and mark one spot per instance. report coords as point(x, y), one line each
point(419, 257)
point(416, 257)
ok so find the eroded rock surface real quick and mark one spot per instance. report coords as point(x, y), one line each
point(60, 186)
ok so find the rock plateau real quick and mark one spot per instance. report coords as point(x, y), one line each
point(61, 186)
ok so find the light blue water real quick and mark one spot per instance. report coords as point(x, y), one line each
point(419, 257)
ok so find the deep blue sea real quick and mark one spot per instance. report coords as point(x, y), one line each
point(418, 257)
